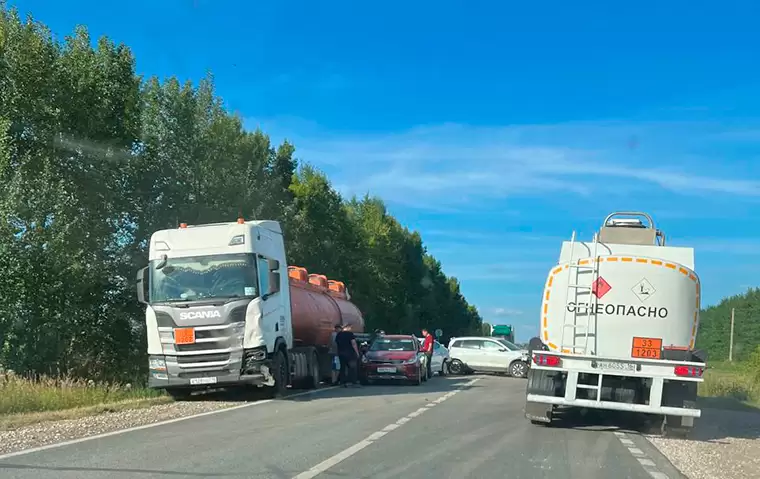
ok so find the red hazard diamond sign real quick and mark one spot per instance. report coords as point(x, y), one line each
point(600, 287)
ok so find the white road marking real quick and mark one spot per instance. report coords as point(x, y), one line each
point(346, 453)
point(155, 424)
point(649, 465)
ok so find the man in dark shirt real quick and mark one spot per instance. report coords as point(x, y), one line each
point(348, 352)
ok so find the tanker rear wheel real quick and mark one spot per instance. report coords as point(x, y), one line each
point(313, 380)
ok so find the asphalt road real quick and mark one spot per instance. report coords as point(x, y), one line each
point(452, 427)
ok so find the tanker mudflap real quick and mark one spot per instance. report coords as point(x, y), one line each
point(539, 412)
point(268, 378)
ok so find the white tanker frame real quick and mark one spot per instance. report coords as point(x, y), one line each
point(618, 325)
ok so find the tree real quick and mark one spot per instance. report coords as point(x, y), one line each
point(93, 160)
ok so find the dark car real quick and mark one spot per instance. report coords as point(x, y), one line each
point(392, 356)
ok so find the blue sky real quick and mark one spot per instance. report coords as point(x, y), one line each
point(493, 128)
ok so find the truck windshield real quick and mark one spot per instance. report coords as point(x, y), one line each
point(508, 345)
point(387, 344)
point(204, 277)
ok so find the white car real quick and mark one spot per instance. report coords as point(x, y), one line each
point(440, 359)
point(487, 354)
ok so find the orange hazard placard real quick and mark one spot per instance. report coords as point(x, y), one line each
point(646, 348)
point(184, 335)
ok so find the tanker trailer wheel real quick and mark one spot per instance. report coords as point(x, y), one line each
point(314, 376)
point(280, 373)
point(456, 367)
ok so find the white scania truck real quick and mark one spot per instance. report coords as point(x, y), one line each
point(224, 309)
point(618, 325)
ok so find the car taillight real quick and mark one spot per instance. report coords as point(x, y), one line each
point(546, 360)
point(688, 371)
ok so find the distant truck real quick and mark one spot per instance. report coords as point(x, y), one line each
point(619, 320)
point(503, 331)
point(223, 309)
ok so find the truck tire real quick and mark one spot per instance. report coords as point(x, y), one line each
point(314, 376)
point(541, 382)
point(280, 371)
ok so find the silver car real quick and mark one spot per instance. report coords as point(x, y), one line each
point(487, 354)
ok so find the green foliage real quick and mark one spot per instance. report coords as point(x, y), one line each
point(715, 327)
point(93, 160)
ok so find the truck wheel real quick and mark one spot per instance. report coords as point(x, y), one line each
point(280, 373)
point(518, 369)
point(456, 367)
point(313, 379)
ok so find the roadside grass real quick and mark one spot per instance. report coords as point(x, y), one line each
point(25, 401)
point(735, 382)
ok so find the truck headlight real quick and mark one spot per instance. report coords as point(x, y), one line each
point(157, 364)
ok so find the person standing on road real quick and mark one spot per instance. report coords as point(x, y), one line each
point(334, 360)
point(427, 348)
point(348, 352)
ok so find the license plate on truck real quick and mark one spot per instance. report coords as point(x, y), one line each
point(386, 370)
point(199, 381)
point(616, 366)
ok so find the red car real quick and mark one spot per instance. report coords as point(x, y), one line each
point(393, 356)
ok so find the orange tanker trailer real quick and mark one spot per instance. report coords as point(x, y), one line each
point(317, 305)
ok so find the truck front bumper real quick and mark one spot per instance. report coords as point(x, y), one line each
point(240, 368)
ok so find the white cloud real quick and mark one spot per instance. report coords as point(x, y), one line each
point(505, 312)
point(453, 166)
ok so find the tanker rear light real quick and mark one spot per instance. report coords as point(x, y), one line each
point(688, 371)
point(546, 360)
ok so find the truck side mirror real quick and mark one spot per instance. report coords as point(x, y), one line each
point(142, 285)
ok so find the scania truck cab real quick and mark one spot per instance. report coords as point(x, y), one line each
point(218, 307)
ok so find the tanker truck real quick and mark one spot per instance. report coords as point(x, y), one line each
point(223, 309)
point(618, 325)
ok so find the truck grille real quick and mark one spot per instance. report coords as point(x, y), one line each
point(202, 358)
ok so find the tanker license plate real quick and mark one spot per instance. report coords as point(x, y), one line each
point(386, 370)
point(197, 381)
point(615, 366)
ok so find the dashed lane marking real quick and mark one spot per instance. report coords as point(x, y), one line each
point(346, 453)
point(649, 465)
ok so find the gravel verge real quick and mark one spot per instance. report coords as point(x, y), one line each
point(51, 432)
point(725, 444)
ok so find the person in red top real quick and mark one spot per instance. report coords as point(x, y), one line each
point(427, 348)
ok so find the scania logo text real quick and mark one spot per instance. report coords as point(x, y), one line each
point(200, 314)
